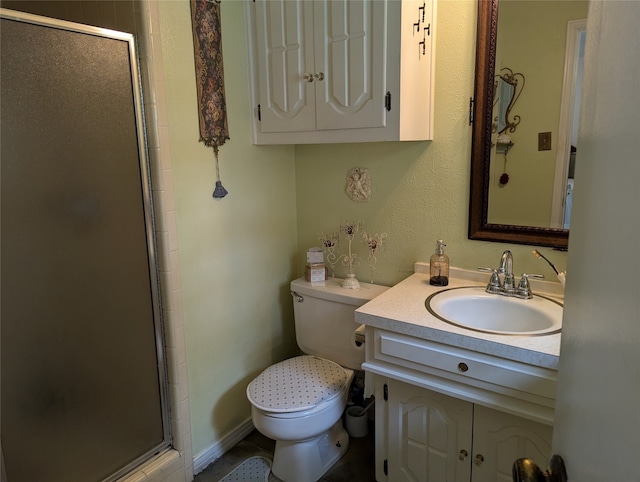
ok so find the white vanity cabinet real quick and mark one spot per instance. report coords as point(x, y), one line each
point(419, 434)
point(448, 414)
point(328, 71)
point(499, 439)
point(430, 437)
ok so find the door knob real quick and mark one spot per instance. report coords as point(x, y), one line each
point(308, 77)
point(319, 76)
point(526, 470)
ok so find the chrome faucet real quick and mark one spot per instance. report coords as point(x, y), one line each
point(507, 285)
point(506, 268)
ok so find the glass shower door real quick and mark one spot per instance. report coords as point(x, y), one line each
point(82, 370)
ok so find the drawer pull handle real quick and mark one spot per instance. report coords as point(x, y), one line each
point(463, 367)
point(463, 454)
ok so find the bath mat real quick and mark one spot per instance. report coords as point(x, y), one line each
point(254, 469)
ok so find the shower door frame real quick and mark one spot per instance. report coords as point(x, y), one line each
point(149, 219)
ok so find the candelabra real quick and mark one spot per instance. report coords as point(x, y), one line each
point(349, 260)
point(374, 244)
point(329, 244)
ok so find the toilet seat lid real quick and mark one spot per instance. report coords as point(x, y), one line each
point(296, 384)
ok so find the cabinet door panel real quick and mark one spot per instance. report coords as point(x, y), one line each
point(500, 439)
point(350, 51)
point(284, 45)
point(427, 432)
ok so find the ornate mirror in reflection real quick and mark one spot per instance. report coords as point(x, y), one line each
point(507, 89)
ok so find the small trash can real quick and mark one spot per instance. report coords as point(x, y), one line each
point(357, 422)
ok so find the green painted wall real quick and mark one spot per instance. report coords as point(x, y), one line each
point(419, 189)
point(238, 254)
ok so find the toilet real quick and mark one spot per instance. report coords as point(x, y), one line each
point(299, 402)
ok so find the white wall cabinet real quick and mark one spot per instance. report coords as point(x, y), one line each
point(327, 71)
point(425, 436)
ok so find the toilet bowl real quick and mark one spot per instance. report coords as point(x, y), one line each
point(299, 402)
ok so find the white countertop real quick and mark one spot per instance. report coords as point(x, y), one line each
point(401, 309)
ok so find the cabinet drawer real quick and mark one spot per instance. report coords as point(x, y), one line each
point(457, 363)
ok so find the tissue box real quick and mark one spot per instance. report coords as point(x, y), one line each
point(316, 272)
point(315, 256)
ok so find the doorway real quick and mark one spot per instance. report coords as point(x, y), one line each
point(567, 147)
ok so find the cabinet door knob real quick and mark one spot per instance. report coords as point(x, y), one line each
point(463, 367)
point(463, 454)
point(479, 459)
point(319, 76)
point(308, 77)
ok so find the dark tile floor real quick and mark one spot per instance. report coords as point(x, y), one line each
point(357, 465)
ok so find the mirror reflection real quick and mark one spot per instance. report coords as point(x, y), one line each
point(530, 166)
point(507, 89)
point(569, 115)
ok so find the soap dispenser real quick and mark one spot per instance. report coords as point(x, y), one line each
point(439, 266)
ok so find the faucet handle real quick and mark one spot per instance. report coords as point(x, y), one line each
point(524, 288)
point(494, 286)
point(488, 270)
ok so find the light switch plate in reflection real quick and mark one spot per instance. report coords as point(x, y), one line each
point(544, 141)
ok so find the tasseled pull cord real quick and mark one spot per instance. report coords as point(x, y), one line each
point(219, 191)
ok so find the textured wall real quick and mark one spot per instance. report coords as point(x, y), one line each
point(420, 189)
point(237, 253)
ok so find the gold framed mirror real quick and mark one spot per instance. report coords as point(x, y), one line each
point(482, 116)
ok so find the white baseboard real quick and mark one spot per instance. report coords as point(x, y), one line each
point(217, 450)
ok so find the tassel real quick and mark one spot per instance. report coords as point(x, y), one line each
point(219, 191)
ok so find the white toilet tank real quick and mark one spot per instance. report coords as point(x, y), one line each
point(324, 319)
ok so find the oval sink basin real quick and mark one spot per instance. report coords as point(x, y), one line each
point(473, 308)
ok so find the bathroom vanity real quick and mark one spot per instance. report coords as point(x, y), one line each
point(452, 403)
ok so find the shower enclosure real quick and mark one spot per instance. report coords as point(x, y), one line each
point(84, 389)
